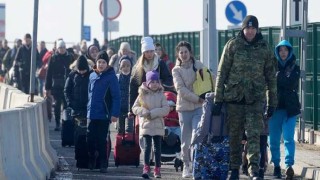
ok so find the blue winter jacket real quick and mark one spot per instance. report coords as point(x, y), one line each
point(104, 95)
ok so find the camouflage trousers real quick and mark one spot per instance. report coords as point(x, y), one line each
point(250, 118)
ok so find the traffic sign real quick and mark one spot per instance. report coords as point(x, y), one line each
point(87, 33)
point(236, 11)
point(113, 26)
point(114, 9)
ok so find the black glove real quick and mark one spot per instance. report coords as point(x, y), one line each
point(269, 112)
point(216, 109)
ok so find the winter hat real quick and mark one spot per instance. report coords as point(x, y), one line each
point(152, 76)
point(82, 63)
point(125, 57)
point(170, 96)
point(103, 55)
point(250, 21)
point(147, 44)
point(125, 45)
point(90, 49)
point(61, 44)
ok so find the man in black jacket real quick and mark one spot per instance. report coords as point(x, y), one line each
point(23, 65)
point(58, 71)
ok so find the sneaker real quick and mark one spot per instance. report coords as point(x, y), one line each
point(255, 176)
point(289, 173)
point(145, 172)
point(156, 172)
point(234, 174)
point(186, 172)
point(277, 172)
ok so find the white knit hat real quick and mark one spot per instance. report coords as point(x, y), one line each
point(125, 45)
point(147, 44)
point(61, 44)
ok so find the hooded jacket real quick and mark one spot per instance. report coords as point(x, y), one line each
point(104, 95)
point(156, 103)
point(288, 75)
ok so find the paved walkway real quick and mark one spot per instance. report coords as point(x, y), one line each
point(307, 164)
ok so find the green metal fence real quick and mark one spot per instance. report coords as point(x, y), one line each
point(271, 34)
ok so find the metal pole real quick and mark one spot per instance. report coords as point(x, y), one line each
point(315, 78)
point(82, 20)
point(303, 56)
point(145, 18)
point(34, 50)
point(212, 37)
point(284, 20)
point(105, 18)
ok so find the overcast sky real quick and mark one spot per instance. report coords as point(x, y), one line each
point(61, 18)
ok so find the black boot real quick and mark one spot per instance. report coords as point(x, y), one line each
point(289, 173)
point(234, 174)
point(92, 161)
point(103, 166)
point(277, 172)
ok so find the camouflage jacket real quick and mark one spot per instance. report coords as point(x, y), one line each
point(246, 72)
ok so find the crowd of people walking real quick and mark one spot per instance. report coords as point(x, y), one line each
point(255, 84)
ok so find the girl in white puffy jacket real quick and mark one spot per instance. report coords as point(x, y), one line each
point(151, 106)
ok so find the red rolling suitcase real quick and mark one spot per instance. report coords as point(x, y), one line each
point(127, 149)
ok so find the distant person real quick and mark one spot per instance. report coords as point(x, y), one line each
point(57, 73)
point(83, 47)
point(123, 50)
point(3, 49)
point(23, 65)
point(124, 124)
point(76, 88)
point(41, 77)
point(111, 51)
point(92, 54)
point(96, 43)
point(160, 51)
point(283, 121)
point(246, 74)
point(8, 59)
point(103, 107)
point(151, 106)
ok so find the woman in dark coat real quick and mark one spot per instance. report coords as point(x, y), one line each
point(284, 118)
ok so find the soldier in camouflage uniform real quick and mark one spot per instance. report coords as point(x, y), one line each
point(246, 73)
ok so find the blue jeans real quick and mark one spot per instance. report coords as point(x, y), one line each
point(279, 124)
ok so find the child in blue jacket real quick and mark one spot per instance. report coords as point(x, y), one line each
point(103, 107)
